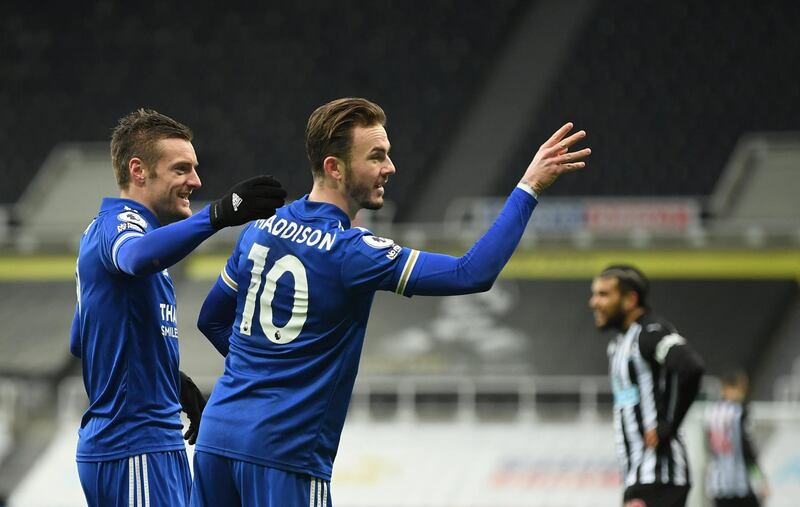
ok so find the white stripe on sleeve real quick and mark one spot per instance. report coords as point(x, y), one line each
point(666, 343)
point(118, 243)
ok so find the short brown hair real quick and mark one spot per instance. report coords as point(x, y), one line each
point(329, 129)
point(136, 135)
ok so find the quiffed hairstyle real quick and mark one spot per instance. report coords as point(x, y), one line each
point(630, 280)
point(329, 129)
point(136, 135)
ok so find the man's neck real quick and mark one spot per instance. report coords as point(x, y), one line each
point(133, 196)
point(632, 317)
point(321, 192)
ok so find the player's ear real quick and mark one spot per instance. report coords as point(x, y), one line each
point(334, 168)
point(630, 300)
point(137, 171)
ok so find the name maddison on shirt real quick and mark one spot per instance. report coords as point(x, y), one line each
point(286, 229)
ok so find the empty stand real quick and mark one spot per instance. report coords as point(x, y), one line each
point(36, 318)
point(244, 76)
point(665, 89)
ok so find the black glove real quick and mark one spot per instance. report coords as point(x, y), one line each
point(257, 197)
point(193, 403)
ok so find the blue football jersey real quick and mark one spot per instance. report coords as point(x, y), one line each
point(304, 282)
point(128, 343)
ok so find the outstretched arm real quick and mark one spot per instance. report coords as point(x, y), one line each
point(145, 254)
point(477, 270)
point(150, 253)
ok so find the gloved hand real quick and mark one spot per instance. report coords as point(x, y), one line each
point(193, 403)
point(257, 197)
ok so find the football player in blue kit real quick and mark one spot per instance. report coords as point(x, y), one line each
point(290, 309)
point(130, 450)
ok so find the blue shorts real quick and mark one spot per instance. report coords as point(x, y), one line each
point(157, 478)
point(230, 482)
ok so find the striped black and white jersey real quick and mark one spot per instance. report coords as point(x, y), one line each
point(655, 377)
point(731, 455)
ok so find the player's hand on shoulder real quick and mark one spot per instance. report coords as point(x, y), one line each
point(554, 159)
point(248, 200)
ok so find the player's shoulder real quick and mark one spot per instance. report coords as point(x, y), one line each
point(363, 239)
point(118, 217)
point(365, 236)
point(655, 326)
point(657, 336)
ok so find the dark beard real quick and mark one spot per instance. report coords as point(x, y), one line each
point(615, 322)
point(360, 194)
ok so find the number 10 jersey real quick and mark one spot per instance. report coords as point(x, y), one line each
point(304, 282)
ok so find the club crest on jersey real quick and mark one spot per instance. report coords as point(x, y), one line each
point(131, 217)
point(377, 242)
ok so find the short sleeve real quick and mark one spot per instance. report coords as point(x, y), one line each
point(116, 229)
point(376, 263)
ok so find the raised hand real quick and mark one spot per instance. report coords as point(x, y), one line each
point(554, 159)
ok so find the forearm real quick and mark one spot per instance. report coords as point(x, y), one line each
point(688, 369)
point(160, 249)
point(477, 270)
point(216, 318)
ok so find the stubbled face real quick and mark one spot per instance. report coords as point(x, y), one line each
point(369, 168)
point(607, 304)
point(172, 181)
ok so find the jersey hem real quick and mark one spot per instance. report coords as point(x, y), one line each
point(264, 462)
point(113, 456)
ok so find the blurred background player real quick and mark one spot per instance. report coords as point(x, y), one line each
point(732, 467)
point(655, 376)
point(130, 450)
point(272, 427)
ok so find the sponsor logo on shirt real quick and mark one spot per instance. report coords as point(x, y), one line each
point(126, 225)
point(131, 217)
point(169, 319)
point(394, 252)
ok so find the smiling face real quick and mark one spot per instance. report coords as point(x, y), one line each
point(369, 168)
point(168, 185)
